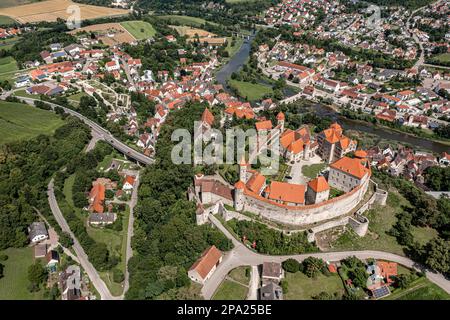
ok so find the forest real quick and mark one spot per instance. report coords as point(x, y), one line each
point(25, 169)
point(166, 239)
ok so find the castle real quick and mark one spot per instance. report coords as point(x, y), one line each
point(330, 195)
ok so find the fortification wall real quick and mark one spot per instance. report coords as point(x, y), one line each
point(303, 215)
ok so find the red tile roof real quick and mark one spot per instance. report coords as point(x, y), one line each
point(209, 258)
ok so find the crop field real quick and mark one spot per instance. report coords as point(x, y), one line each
point(53, 9)
point(190, 32)
point(140, 30)
point(19, 121)
point(109, 33)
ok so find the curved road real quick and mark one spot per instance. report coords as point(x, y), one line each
point(101, 133)
point(242, 256)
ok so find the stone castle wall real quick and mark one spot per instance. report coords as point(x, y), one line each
point(308, 214)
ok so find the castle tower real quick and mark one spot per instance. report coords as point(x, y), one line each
point(281, 118)
point(201, 215)
point(243, 170)
point(306, 151)
point(239, 196)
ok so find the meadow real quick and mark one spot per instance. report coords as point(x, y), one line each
point(19, 121)
point(140, 30)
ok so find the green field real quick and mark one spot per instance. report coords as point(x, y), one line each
point(423, 234)
point(300, 287)
point(13, 286)
point(19, 121)
point(186, 20)
point(5, 20)
point(444, 57)
point(233, 49)
point(229, 290)
point(13, 3)
point(8, 64)
point(421, 289)
point(250, 91)
point(139, 29)
point(313, 170)
point(77, 97)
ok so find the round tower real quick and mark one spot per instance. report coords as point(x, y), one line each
point(239, 196)
point(243, 170)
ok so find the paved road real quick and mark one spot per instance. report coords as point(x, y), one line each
point(129, 253)
point(98, 283)
point(242, 256)
point(102, 133)
point(254, 284)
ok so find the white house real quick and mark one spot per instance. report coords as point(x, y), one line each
point(37, 232)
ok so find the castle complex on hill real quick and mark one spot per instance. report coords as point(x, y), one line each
point(299, 204)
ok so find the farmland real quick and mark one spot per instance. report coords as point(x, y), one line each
point(8, 67)
point(19, 121)
point(140, 30)
point(109, 33)
point(53, 9)
point(4, 20)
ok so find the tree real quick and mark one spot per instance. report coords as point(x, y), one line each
point(291, 265)
point(284, 285)
point(37, 274)
point(1, 270)
point(118, 275)
point(66, 240)
point(324, 296)
point(359, 277)
point(438, 255)
point(312, 266)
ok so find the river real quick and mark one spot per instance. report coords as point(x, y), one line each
point(240, 58)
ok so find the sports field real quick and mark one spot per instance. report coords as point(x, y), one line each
point(139, 29)
point(19, 121)
point(51, 10)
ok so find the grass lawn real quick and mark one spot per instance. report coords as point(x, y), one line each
point(423, 234)
point(77, 96)
point(13, 286)
point(381, 220)
point(239, 274)
point(250, 91)
point(313, 170)
point(139, 29)
point(229, 290)
point(186, 20)
point(420, 289)
point(233, 49)
point(444, 57)
point(300, 287)
point(19, 121)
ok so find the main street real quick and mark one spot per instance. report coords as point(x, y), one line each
point(243, 256)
